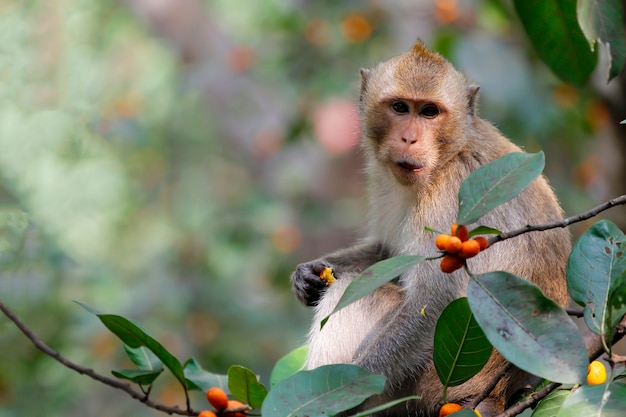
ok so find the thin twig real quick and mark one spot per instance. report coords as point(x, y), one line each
point(621, 200)
point(139, 396)
point(492, 384)
point(530, 402)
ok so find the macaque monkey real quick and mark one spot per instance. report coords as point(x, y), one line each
point(421, 137)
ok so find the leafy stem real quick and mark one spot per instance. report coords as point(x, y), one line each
point(146, 391)
point(139, 396)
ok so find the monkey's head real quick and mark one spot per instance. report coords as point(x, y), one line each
point(415, 110)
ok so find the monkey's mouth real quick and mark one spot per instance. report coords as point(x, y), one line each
point(410, 166)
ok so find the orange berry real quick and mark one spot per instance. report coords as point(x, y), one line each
point(442, 241)
point(596, 373)
point(460, 231)
point(469, 249)
point(448, 409)
point(482, 241)
point(234, 404)
point(217, 398)
point(450, 263)
point(454, 245)
point(207, 413)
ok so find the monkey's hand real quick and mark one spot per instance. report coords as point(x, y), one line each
point(307, 283)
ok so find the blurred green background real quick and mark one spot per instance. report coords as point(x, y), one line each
point(172, 161)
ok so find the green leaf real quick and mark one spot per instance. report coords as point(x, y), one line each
point(617, 302)
point(143, 358)
point(134, 337)
point(484, 230)
point(605, 400)
point(496, 183)
point(289, 364)
point(88, 308)
point(324, 391)
point(464, 413)
point(138, 376)
point(620, 376)
point(375, 276)
point(527, 328)
point(200, 379)
point(603, 20)
point(553, 29)
point(390, 404)
point(150, 367)
point(550, 406)
point(461, 348)
point(244, 385)
point(623, 122)
point(594, 265)
point(430, 229)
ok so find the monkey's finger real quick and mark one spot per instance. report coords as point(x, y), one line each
point(308, 288)
point(314, 268)
point(309, 283)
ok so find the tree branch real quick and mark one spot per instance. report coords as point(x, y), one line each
point(594, 345)
point(492, 384)
point(139, 396)
point(530, 402)
point(621, 200)
point(594, 349)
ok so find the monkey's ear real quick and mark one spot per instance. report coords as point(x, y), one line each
point(365, 75)
point(472, 98)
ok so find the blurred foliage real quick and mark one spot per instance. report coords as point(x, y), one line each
point(177, 173)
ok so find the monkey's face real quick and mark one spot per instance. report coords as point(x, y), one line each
point(407, 144)
point(414, 109)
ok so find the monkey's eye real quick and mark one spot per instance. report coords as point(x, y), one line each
point(429, 110)
point(400, 107)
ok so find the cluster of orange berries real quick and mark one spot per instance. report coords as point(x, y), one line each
point(219, 400)
point(450, 408)
point(458, 247)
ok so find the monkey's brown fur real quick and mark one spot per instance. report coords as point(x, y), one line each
point(421, 138)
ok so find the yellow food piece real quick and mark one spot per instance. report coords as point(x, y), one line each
point(478, 413)
point(327, 275)
point(596, 373)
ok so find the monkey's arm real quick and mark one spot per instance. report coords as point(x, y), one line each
point(306, 281)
